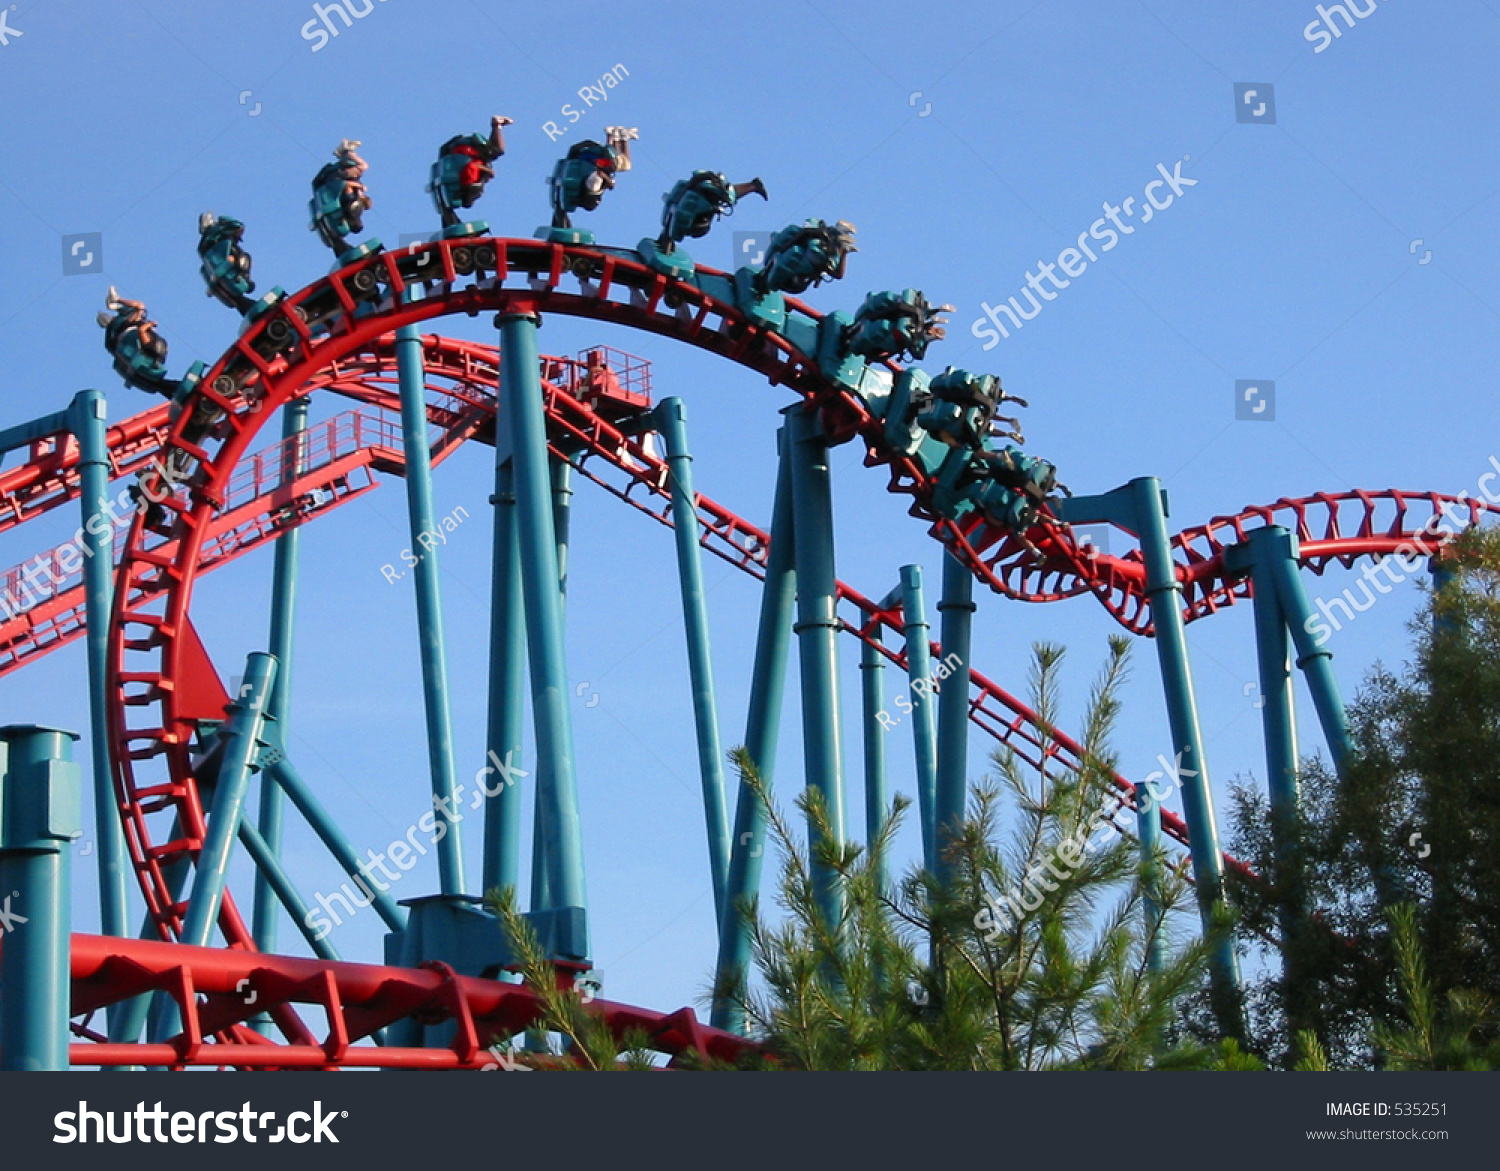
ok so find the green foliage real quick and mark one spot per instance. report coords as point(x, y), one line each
point(1414, 819)
point(1310, 1055)
point(927, 976)
point(1450, 1035)
point(587, 1041)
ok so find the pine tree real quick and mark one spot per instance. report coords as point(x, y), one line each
point(587, 1042)
point(1414, 819)
point(1456, 1034)
point(1032, 956)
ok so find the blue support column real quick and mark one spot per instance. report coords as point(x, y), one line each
point(507, 708)
point(1277, 712)
point(924, 736)
point(241, 737)
point(562, 526)
point(1164, 593)
point(1140, 508)
point(557, 794)
point(877, 790)
point(1314, 661)
point(87, 415)
point(817, 634)
point(762, 723)
point(671, 420)
point(283, 612)
point(1442, 574)
point(1265, 547)
point(957, 610)
point(1148, 831)
point(1442, 577)
point(429, 601)
point(40, 815)
point(562, 521)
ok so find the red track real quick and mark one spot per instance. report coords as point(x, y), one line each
point(210, 988)
point(1331, 527)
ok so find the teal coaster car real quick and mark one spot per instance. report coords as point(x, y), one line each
point(801, 256)
point(339, 200)
point(964, 407)
point(586, 172)
point(696, 202)
point(1017, 486)
point(138, 351)
point(892, 325)
point(462, 170)
point(225, 265)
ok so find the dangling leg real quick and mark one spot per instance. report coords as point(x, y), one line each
point(497, 139)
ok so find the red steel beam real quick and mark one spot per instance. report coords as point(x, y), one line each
point(356, 999)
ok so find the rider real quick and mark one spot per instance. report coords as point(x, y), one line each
point(803, 255)
point(340, 200)
point(891, 324)
point(463, 168)
point(581, 178)
point(138, 350)
point(695, 202)
point(226, 264)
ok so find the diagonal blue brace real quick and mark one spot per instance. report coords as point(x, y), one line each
point(1314, 660)
point(762, 722)
point(670, 417)
point(430, 641)
point(1140, 508)
point(241, 736)
point(285, 774)
point(268, 866)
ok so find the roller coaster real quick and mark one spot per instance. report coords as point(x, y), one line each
point(179, 752)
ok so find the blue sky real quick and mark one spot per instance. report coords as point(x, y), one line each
point(967, 142)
